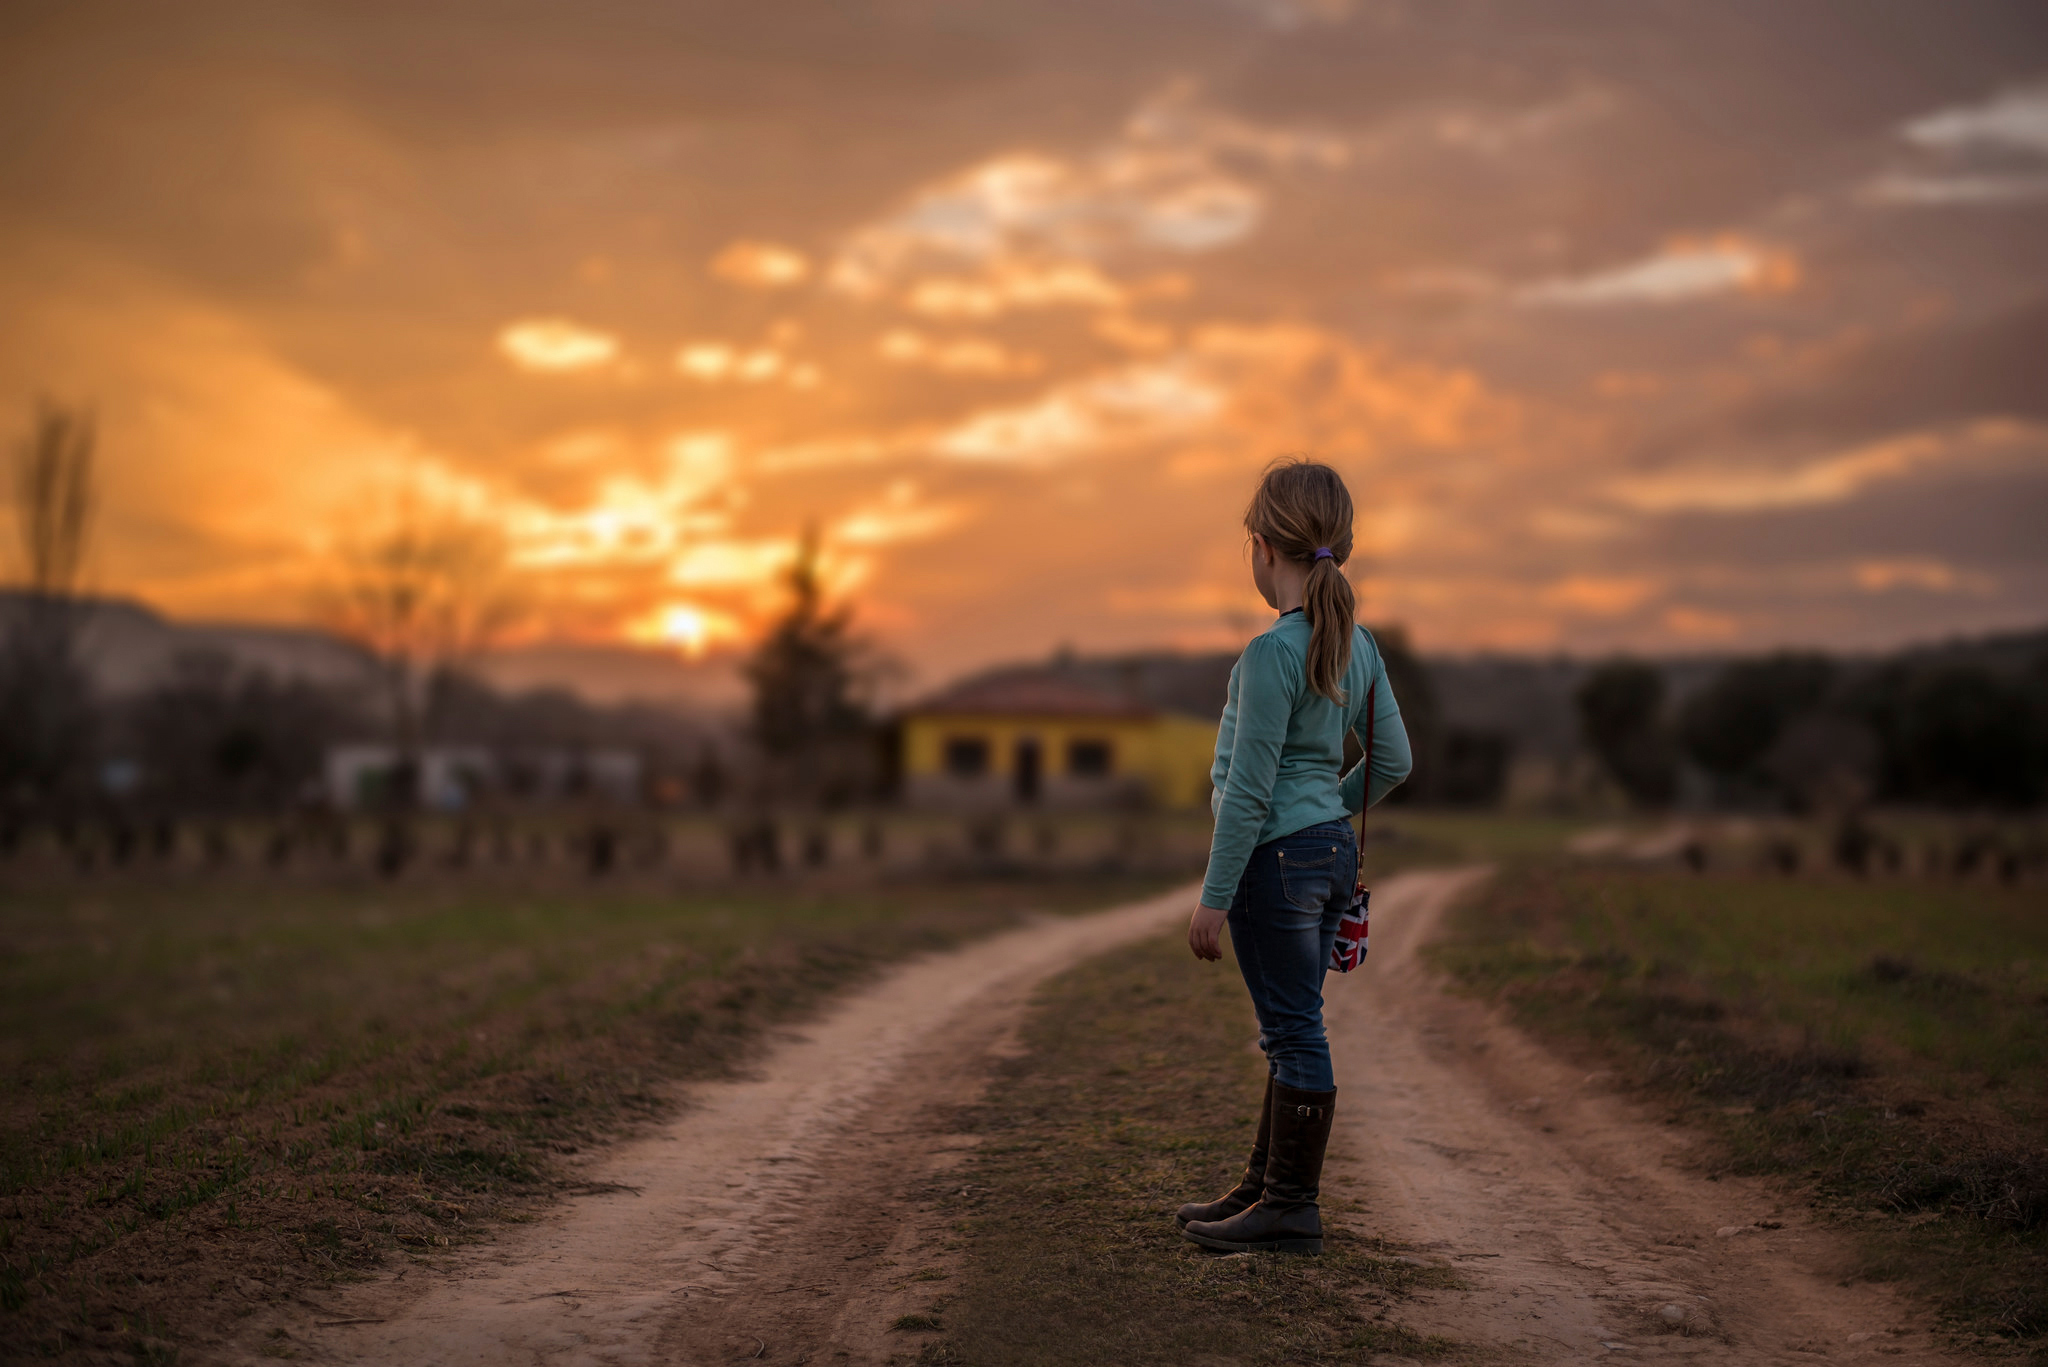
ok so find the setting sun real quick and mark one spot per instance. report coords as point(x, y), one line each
point(684, 627)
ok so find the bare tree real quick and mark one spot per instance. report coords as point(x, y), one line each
point(53, 489)
point(45, 699)
point(422, 594)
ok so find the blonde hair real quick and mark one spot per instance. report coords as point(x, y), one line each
point(1300, 507)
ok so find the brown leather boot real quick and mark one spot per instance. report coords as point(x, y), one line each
point(1285, 1219)
point(1249, 1186)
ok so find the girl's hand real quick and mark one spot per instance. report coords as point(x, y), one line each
point(1204, 931)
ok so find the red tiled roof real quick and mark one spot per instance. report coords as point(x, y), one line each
point(1027, 693)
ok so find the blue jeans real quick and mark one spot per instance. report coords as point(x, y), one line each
point(1282, 924)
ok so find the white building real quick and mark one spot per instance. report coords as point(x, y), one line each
point(453, 777)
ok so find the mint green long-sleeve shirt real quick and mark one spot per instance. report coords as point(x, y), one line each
point(1280, 748)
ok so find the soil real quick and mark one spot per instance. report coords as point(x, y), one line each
point(1579, 1222)
point(790, 1216)
point(785, 1216)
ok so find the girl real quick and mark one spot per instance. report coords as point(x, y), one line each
point(1283, 856)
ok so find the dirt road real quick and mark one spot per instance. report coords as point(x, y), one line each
point(1571, 1215)
point(782, 1208)
point(789, 1213)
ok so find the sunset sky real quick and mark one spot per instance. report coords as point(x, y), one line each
point(1659, 325)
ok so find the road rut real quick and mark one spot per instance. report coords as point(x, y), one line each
point(788, 1214)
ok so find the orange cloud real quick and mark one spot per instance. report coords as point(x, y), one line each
point(1696, 624)
point(1008, 285)
point(956, 356)
point(1114, 409)
point(1598, 595)
point(1925, 573)
point(719, 362)
point(556, 345)
point(1178, 178)
point(762, 265)
point(1831, 479)
point(899, 515)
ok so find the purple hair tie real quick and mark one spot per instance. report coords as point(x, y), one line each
point(1324, 553)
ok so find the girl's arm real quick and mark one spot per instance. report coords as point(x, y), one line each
point(1265, 700)
point(1390, 759)
point(1226, 736)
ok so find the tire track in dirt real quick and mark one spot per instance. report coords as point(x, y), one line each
point(786, 1210)
point(1569, 1213)
point(791, 1215)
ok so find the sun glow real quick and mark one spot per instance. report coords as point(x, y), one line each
point(687, 628)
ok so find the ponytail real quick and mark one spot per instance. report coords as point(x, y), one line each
point(1303, 511)
point(1329, 605)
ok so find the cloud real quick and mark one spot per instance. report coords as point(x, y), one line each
point(899, 515)
point(1925, 573)
point(629, 520)
point(1122, 330)
point(1599, 595)
point(722, 362)
point(1006, 285)
point(556, 345)
point(1177, 179)
point(956, 355)
point(1228, 393)
point(1448, 282)
point(1300, 387)
point(1483, 452)
point(1500, 132)
point(1290, 15)
point(1233, 393)
point(1941, 191)
point(1680, 273)
point(762, 265)
point(1722, 488)
point(2015, 120)
point(1701, 624)
point(1118, 408)
point(1969, 156)
point(734, 563)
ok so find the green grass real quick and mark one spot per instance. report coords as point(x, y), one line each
point(211, 1092)
point(1453, 837)
point(1882, 1046)
point(1139, 1093)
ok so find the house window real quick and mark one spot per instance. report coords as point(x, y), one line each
point(966, 756)
point(1088, 758)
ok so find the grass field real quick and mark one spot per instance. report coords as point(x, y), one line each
point(216, 1091)
point(1139, 1093)
point(1881, 1045)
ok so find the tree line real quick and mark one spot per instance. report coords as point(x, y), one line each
point(1806, 731)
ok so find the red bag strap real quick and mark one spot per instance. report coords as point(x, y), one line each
point(1365, 805)
point(1371, 697)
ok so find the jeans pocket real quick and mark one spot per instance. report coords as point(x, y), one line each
point(1309, 873)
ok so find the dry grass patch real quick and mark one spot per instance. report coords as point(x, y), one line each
point(215, 1094)
point(1139, 1093)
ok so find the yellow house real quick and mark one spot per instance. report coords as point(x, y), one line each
point(1029, 737)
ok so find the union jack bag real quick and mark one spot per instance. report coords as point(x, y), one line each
point(1349, 950)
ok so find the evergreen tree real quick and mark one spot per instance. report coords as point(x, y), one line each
point(809, 717)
